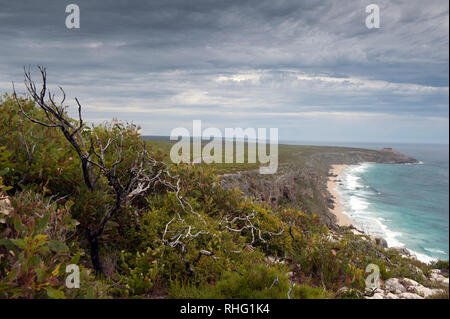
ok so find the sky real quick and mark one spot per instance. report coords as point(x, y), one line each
point(312, 69)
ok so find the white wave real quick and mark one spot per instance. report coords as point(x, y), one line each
point(436, 251)
point(423, 257)
point(351, 182)
point(357, 204)
point(359, 210)
point(418, 163)
point(360, 168)
point(389, 235)
point(374, 226)
point(351, 179)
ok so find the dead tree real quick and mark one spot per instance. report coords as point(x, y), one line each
point(181, 239)
point(248, 225)
point(58, 118)
point(141, 175)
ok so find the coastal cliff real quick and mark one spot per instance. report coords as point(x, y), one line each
point(301, 179)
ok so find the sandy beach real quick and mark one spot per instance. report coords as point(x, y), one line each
point(342, 220)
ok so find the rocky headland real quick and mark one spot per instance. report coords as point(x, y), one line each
point(301, 179)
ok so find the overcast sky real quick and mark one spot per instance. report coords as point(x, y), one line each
point(310, 68)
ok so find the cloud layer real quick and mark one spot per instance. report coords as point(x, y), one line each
point(310, 68)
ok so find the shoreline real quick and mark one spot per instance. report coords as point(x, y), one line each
point(344, 220)
point(341, 218)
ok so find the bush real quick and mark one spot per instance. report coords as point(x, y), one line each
point(307, 292)
point(259, 281)
point(440, 264)
point(34, 250)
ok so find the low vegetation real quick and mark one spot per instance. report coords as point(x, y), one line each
point(141, 227)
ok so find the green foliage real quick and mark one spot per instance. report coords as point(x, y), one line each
point(53, 165)
point(259, 281)
point(46, 208)
point(139, 272)
point(351, 294)
point(440, 264)
point(307, 292)
point(34, 247)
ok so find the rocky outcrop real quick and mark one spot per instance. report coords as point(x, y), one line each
point(396, 288)
point(403, 251)
point(409, 295)
point(292, 186)
point(379, 241)
point(437, 277)
point(393, 285)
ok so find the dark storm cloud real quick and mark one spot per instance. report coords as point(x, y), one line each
point(164, 63)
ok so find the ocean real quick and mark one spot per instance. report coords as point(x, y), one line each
point(408, 205)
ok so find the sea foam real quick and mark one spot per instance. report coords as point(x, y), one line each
point(358, 207)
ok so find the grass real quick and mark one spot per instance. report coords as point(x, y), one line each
point(298, 155)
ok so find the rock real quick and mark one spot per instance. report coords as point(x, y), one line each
point(356, 231)
point(403, 251)
point(415, 290)
point(384, 243)
point(414, 287)
point(436, 277)
point(443, 280)
point(377, 295)
point(390, 296)
point(427, 292)
point(411, 289)
point(409, 282)
point(436, 271)
point(393, 285)
point(418, 270)
point(378, 241)
point(409, 295)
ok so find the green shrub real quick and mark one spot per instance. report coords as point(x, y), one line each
point(440, 264)
point(260, 281)
point(307, 292)
point(34, 248)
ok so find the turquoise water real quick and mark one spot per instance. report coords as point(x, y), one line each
point(408, 205)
